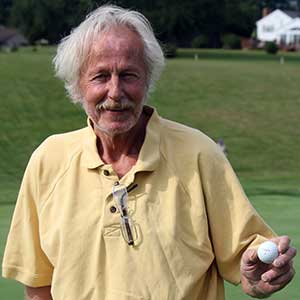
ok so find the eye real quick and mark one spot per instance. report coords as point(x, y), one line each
point(129, 76)
point(102, 77)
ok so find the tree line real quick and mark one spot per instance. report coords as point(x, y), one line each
point(174, 21)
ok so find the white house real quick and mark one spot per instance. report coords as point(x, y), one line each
point(289, 34)
point(282, 27)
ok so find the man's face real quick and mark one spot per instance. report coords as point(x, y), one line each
point(113, 81)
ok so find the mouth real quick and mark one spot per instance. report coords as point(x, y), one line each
point(117, 108)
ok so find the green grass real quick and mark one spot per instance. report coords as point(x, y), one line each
point(247, 98)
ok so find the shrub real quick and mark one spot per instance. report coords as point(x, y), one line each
point(200, 41)
point(231, 41)
point(170, 50)
point(14, 48)
point(271, 48)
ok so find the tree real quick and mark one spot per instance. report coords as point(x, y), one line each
point(173, 21)
point(5, 7)
point(49, 19)
point(240, 16)
point(273, 4)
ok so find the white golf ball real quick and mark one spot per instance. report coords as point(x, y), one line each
point(267, 252)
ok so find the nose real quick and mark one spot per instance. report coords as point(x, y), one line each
point(114, 88)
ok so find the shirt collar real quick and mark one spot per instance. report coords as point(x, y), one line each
point(90, 151)
point(149, 155)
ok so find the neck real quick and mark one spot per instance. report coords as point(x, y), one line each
point(122, 149)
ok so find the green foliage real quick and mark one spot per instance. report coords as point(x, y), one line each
point(48, 19)
point(281, 4)
point(170, 50)
point(271, 47)
point(231, 41)
point(240, 16)
point(200, 41)
point(173, 21)
point(5, 7)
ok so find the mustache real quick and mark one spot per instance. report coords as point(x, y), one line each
point(112, 105)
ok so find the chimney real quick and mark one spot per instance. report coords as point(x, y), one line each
point(265, 11)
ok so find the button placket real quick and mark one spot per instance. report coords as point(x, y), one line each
point(111, 218)
point(108, 174)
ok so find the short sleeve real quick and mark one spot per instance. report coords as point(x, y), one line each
point(24, 259)
point(233, 222)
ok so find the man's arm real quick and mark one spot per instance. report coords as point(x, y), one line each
point(260, 280)
point(40, 293)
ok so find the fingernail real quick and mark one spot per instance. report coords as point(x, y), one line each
point(265, 278)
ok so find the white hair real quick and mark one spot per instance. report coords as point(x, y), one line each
point(74, 49)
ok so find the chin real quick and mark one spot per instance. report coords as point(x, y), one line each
point(115, 130)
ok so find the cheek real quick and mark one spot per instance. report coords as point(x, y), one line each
point(137, 93)
point(93, 94)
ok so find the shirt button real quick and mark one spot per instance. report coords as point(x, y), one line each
point(113, 209)
point(106, 172)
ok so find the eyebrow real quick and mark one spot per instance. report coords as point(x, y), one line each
point(101, 68)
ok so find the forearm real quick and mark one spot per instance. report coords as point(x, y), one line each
point(40, 293)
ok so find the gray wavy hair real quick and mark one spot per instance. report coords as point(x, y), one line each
point(74, 49)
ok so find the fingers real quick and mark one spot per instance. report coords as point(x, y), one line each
point(268, 288)
point(280, 282)
point(283, 279)
point(275, 273)
point(285, 258)
point(283, 243)
point(282, 268)
point(250, 257)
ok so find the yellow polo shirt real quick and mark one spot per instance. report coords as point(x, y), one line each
point(192, 217)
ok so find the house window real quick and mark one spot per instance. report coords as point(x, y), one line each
point(268, 28)
point(283, 39)
point(297, 39)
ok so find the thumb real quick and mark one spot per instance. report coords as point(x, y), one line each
point(250, 257)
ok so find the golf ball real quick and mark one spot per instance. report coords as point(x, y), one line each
point(267, 252)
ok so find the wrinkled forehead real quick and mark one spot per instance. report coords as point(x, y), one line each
point(117, 41)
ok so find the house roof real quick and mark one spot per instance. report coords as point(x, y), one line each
point(277, 13)
point(7, 33)
point(293, 14)
point(288, 13)
point(293, 26)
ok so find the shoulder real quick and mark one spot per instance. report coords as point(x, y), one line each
point(62, 145)
point(55, 153)
point(187, 141)
point(63, 141)
point(188, 151)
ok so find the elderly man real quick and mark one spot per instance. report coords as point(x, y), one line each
point(133, 206)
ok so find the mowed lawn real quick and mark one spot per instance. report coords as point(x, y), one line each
point(249, 99)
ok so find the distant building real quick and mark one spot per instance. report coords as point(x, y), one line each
point(11, 38)
point(282, 27)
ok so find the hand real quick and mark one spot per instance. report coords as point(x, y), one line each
point(261, 280)
point(38, 293)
